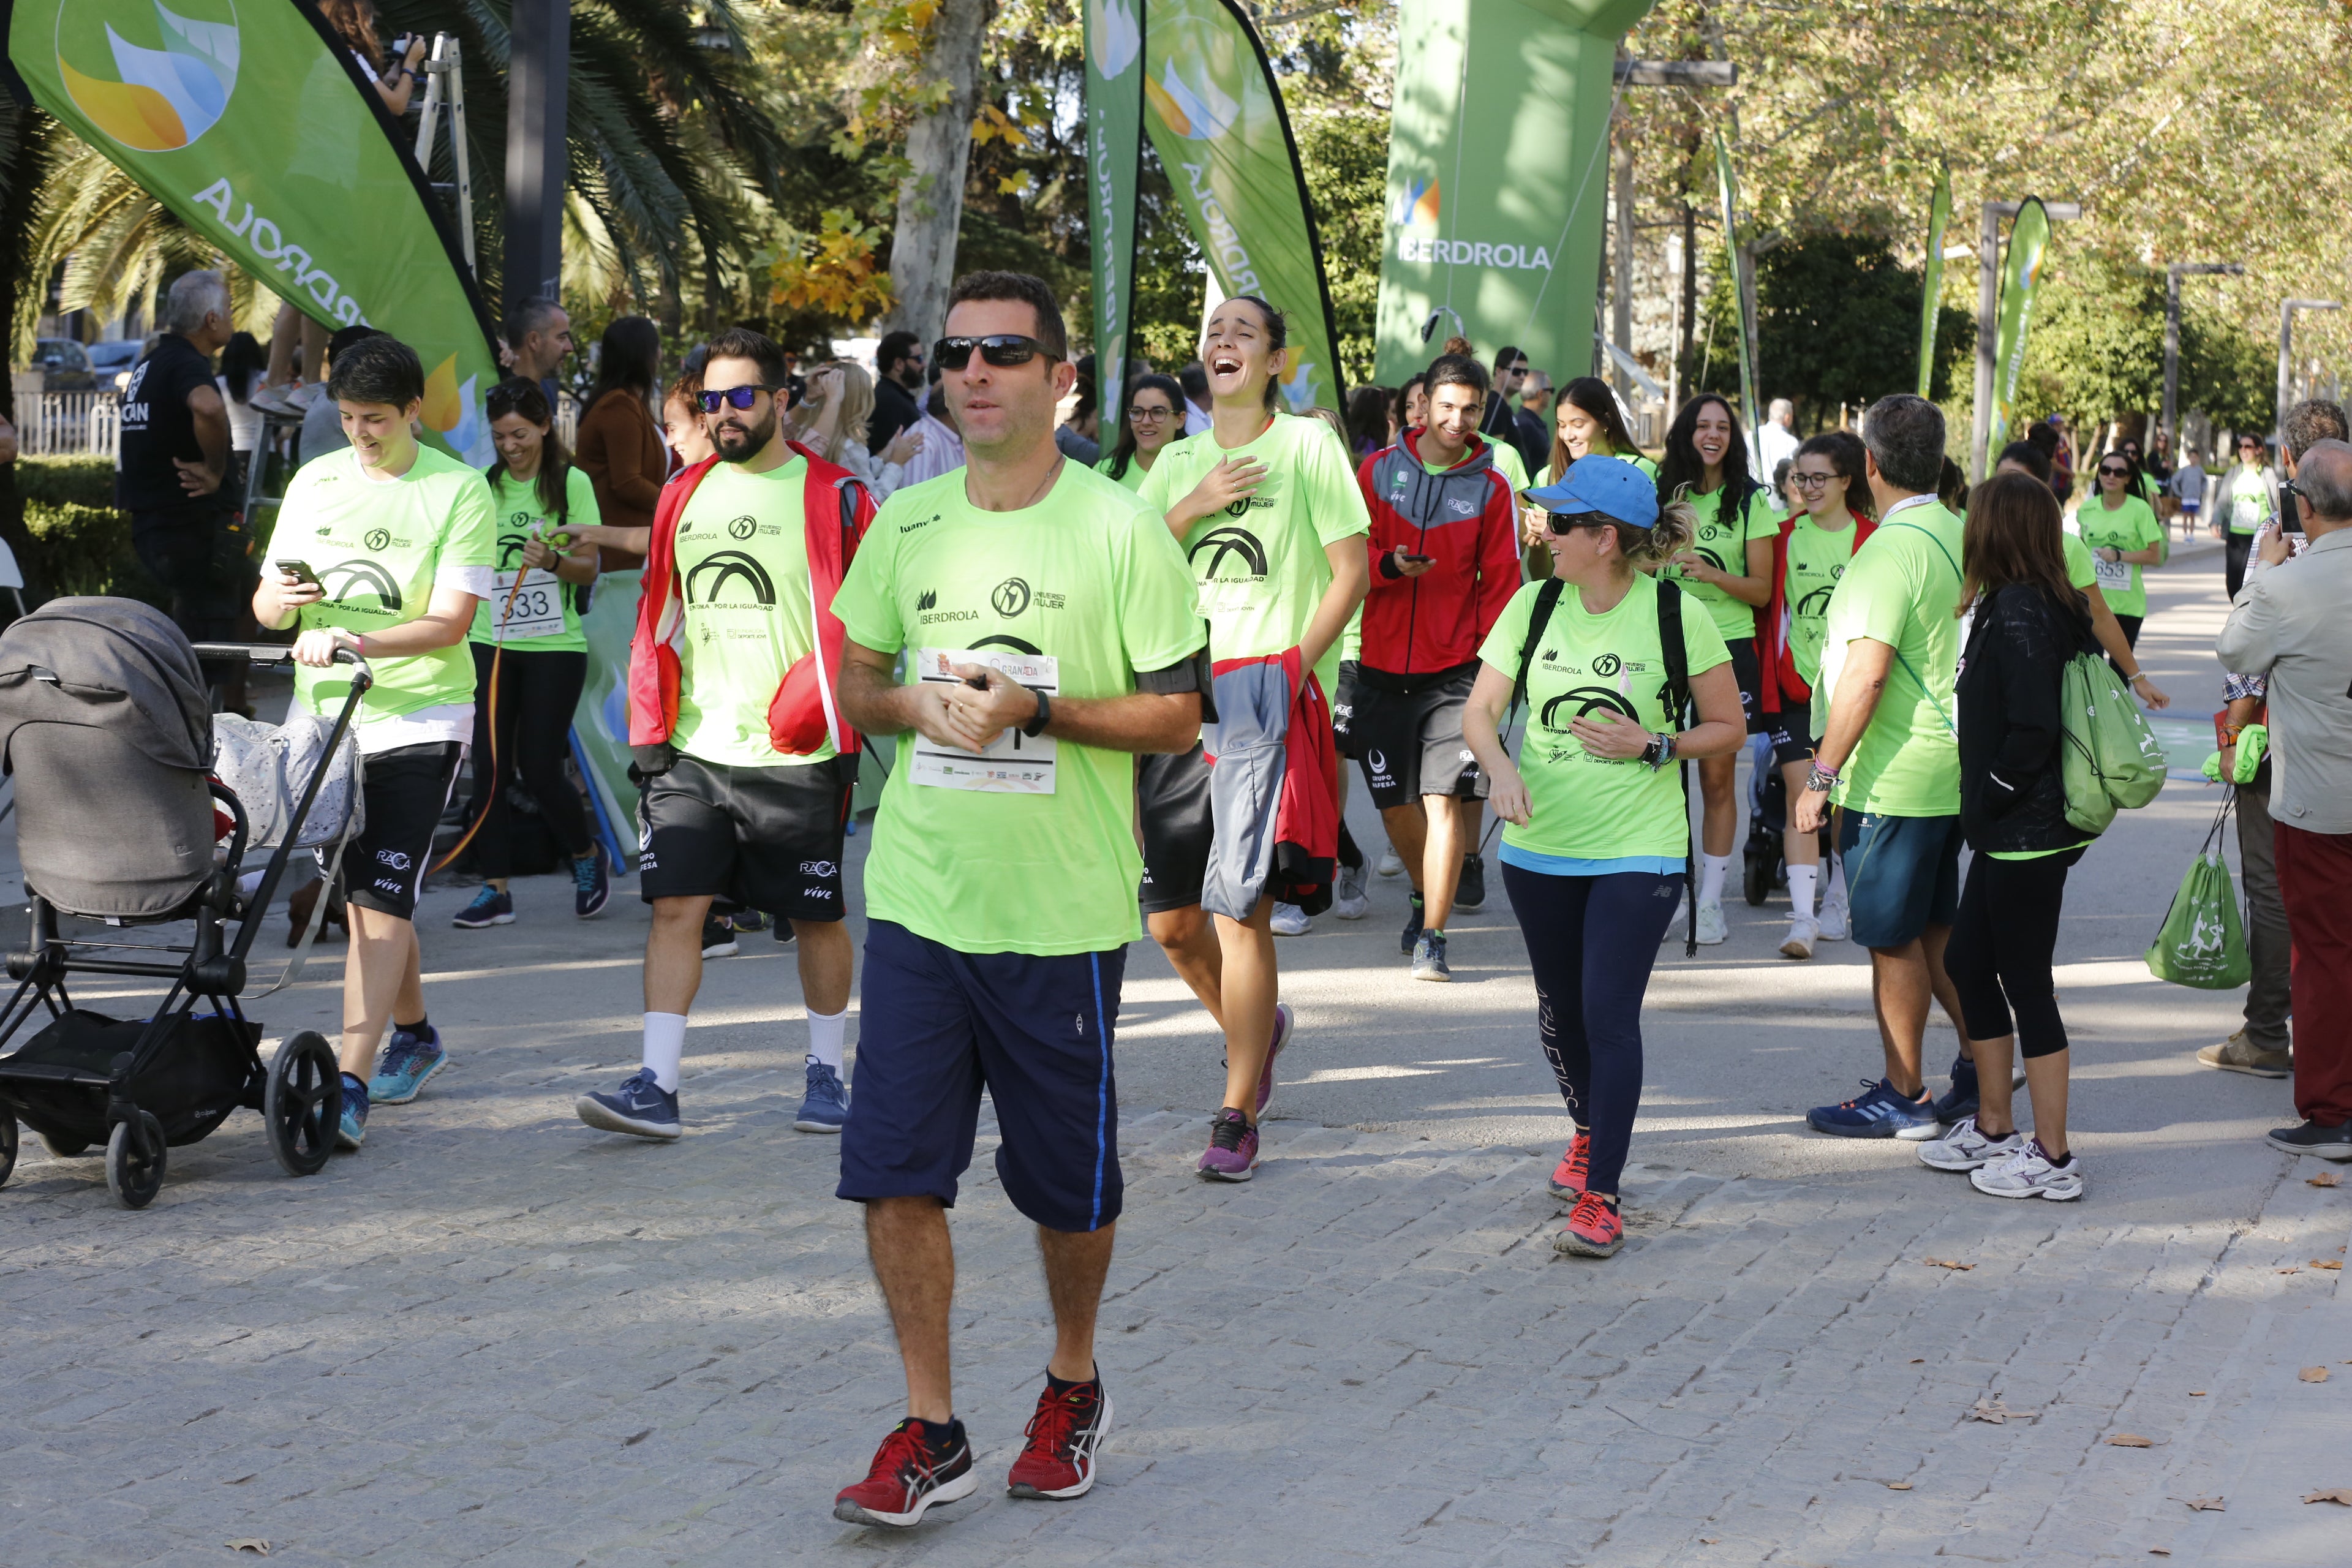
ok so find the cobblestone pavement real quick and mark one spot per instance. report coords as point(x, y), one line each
point(494, 1337)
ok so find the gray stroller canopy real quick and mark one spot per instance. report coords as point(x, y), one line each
point(111, 664)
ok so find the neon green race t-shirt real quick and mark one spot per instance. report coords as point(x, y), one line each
point(1089, 577)
point(1724, 542)
point(1584, 807)
point(516, 508)
point(743, 585)
point(1132, 479)
point(1260, 563)
point(2131, 526)
point(1901, 588)
point(2081, 571)
point(2248, 498)
point(1817, 559)
point(377, 545)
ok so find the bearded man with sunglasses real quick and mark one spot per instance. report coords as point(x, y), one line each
point(1050, 627)
point(734, 718)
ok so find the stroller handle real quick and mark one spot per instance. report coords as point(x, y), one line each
point(281, 653)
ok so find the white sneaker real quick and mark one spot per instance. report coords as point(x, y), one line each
point(1349, 900)
point(1799, 942)
point(1289, 920)
point(1391, 865)
point(2028, 1174)
point(1965, 1149)
point(1831, 921)
point(1711, 929)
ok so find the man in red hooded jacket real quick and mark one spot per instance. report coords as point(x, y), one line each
point(746, 764)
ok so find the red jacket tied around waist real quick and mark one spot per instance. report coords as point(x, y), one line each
point(804, 714)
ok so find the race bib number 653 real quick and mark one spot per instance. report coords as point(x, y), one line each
point(1012, 764)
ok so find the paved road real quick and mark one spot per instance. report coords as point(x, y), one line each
point(495, 1337)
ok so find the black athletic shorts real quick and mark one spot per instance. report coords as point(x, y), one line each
point(1791, 744)
point(1409, 742)
point(1343, 709)
point(1751, 682)
point(767, 838)
point(1171, 801)
point(406, 790)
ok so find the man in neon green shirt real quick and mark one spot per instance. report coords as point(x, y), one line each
point(1047, 624)
point(384, 548)
point(1890, 760)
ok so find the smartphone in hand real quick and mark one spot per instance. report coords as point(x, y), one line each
point(301, 572)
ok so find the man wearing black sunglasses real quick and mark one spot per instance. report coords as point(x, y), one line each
point(734, 718)
point(1053, 629)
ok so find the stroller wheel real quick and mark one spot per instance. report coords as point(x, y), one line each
point(134, 1181)
point(303, 1103)
point(7, 1147)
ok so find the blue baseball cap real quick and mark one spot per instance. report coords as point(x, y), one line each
point(1610, 486)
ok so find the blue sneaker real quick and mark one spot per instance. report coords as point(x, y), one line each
point(352, 1130)
point(640, 1107)
point(827, 1105)
point(405, 1066)
point(489, 907)
point(1959, 1101)
point(1877, 1112)
point(592, 884)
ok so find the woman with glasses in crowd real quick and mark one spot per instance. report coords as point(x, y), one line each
point(530, 657)
point(2120, 528)
point(1154, 417)
point(2247, 495)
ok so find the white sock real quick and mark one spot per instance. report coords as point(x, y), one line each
point(665, 1048)
point(1712, 870)
point(827, 1034)
point(1801, 890)
point(1834, 898)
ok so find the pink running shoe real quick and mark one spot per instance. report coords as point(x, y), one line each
point(1593, 1229)
point(1231, 1154)
point(1568, 1176)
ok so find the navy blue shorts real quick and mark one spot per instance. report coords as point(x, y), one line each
point(1902, 875)
point(939, 1026)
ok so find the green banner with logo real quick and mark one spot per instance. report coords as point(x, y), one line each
point(1114, 155)
point(1940, 217)
point(1499, 184)
point(1216, 120)
point(2029, 241)
point(250, 121)
point(1743, 288)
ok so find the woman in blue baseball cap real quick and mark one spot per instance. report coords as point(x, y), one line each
point(1597, 840)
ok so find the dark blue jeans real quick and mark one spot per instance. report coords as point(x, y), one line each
point(1591, 940)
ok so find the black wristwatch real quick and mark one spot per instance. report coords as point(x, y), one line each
point(1037, 726)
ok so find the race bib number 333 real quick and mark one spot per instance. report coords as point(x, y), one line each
point(538, 607)
point(1012, 764)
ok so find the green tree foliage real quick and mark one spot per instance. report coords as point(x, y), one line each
point(2096, 350)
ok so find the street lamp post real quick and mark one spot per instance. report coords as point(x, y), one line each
point(2287, 308)
point(1988, 314)
point(2172, 276)
point(539, 73)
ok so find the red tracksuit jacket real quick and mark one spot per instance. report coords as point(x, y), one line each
point(1467, 519)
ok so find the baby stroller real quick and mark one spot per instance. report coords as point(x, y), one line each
point(106, 727)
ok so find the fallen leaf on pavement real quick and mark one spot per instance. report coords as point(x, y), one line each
point(2337, 1494)
point(2290, 1270)
point(2196, 1394)
point(254, 1544)
point(2327, 1263)
point(1708, 1539)
point(1946, 1263)
point(2128, 1440)
point(2203, 1504)
point(2312, 1374)
point(2324, 1179)
point(2159, 1552)
point(1918, 1361)
point(1898, 1486)
point(1998, 1413)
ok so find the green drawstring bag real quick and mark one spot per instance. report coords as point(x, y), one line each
point(2202, 942)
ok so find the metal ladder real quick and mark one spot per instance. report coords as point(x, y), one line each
point(443, 65)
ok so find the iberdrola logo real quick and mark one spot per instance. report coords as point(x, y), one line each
point(1416, 203)
point(1113, 36)
point(1199, 111)
point(160, 92)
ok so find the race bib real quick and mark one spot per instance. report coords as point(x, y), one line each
point(2114, 576)
point(537, 610)
point(1014, 763)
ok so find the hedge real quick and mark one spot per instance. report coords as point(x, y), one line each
point(84, 543)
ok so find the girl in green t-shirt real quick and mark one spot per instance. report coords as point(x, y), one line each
point(2123, 533)
point(1154, 417)
point(1586, 420)
point(527, 633)
point(1727, 569)
point(1593, 858)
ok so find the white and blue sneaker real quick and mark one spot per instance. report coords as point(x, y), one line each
point(828, 1104)
point(406, 1063)
point(352, 1132)
point(640, 1107)
point(592, 884)
point(489, 907)
point(1877, 1112)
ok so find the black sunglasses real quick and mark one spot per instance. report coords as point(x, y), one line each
point(2115, 473)
point(999, 349)
point(742, 398)
point(1562, 521)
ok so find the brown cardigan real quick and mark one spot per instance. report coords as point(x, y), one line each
point(626, 462)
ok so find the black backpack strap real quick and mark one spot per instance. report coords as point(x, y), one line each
point(1678, 714)
point(1540, 618)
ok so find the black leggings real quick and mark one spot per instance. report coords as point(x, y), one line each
point(537, 694)
point(1591, 940)
point(2235, 548)
point(2002, 940)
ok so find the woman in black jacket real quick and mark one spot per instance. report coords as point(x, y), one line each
point(2029, 623)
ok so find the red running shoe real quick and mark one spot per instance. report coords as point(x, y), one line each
point(1064, 1436)
point(908, 1475)
point(1593, 1229)
point(1568, 1176)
